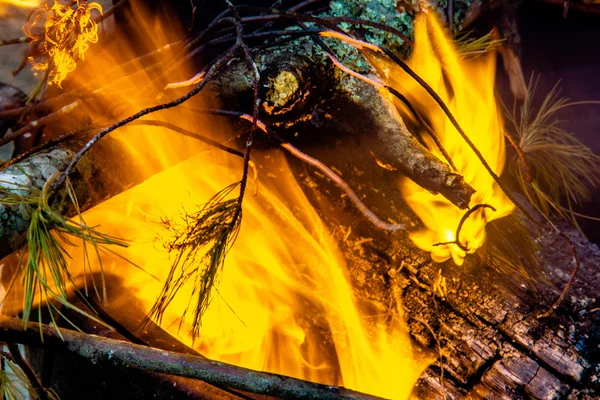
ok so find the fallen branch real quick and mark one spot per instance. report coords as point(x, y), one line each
point(100, 350)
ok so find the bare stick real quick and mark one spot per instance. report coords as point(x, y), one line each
point(191, 134)
point(464, 218)
point(370, 215)
point(38, 123)
point(128, 355)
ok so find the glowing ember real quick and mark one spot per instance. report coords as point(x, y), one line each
point(467, 87)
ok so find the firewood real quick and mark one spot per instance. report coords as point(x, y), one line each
point(128, 355)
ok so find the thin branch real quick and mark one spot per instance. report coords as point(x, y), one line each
point(464, 218)
point(364, 46)
point(216, 66)
point(337, 180)
point(399, 96)
point(38, 123)
point(19, 40)
point(519, 151)
point(127, 355)
point(370, 215)
point(188, 133)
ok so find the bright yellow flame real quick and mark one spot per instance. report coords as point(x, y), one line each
point(67, 34)
point(467, 87)
point(284, 302)
point(24, 4)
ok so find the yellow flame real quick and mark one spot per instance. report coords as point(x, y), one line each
point(67, 34)
point(284, 302)
point(467, 87)
point(20, 4)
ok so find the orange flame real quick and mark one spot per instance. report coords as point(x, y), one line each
point(284, 302)
point(66, 34)
point(467, 87)
point(23, 4)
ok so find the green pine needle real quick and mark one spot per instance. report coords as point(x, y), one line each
point(554, 169)
point(45, 266)
point(201, 246)
point(469, 46)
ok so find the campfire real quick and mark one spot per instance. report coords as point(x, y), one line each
point(308, 199)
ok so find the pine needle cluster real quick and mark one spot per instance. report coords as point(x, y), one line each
point(44, 266)
point(201, 244)
point(554, 169)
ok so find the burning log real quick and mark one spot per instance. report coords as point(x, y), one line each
point(294, 82)
point(289, 92)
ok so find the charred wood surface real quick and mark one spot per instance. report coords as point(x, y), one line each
point(494, 346)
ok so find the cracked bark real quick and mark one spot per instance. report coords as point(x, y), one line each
point(494, 346)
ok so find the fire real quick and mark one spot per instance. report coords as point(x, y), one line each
point(284, 302)
point(66, 33)
point(467, 87)
point(23, 4)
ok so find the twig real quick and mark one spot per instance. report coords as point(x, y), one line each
point(519, 151)
point(38, 123)
point(255, 107)
point(188, 133)
point(22, 39)
point(370, 215)
point(327, 21)
point(399, 96)
point(464, 218)
point(128, 355)
point(375, 220)
point(575, 257)
point(456, 125)
point(216, 66)
point(18, 359)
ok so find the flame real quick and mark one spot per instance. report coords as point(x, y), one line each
point(284, 302)
point(22, 4)
point(467, 87)
point(66, 33)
